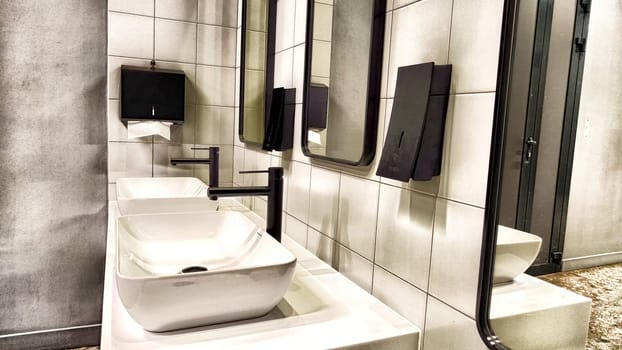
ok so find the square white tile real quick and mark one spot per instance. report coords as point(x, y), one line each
point(401, 296)
point(214, 125)
point(297, 230)
point(474, 47)
point(138, 7)
point(466, 149)
point(175, 41)
point(184, 10)
point(130, 35)
point(447, 328)
point(216, 46)
point(358, 269)
point(255, 52)
point(320, 59)
point(127, 159)
point(283, 68)
point(300, 24)
point(215, 86)
point(420, 33)
point(456, 249)
point(358, 205)
point(323, 247)
point(404, 235)
point(324, 200)
point(323, 22)
point(285, 17)
point(298, 190)
point(219, 12)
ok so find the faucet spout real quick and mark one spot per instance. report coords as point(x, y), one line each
point(274, 192)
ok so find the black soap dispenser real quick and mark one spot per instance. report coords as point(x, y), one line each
point(414, 141)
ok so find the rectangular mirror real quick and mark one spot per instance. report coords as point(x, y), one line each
point(555, 181)
point(257, 68)
point(343, 65)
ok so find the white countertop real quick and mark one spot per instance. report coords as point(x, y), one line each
point(321, 310)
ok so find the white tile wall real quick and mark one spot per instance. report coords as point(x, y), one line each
point(416, 244)
point(390, 238)
point(198, 37)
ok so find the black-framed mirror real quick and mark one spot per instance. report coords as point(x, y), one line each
point(257, 42)
point(554, 184)
point(343, 67)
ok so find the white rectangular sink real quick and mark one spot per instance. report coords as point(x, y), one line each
point(516, 251)
point(148, 195)
point(247, 271)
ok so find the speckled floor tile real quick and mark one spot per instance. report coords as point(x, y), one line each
point(603, 284)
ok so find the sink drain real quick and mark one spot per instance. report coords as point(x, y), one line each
point(191, 269)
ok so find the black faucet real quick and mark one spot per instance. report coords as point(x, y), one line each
point(213, 161)
point(274, 191)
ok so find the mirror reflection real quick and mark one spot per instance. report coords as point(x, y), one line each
point(256, 78)
point(344, 49)
point(561, 197)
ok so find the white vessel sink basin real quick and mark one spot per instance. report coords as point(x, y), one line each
point(248, 271)
point(148, 195)
point(516, 251)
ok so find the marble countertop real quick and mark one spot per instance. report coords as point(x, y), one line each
point(321, 310)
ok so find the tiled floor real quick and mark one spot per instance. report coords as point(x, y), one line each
point(603, 284)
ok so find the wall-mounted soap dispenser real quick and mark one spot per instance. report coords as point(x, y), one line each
point(152, 94)
point(414, 142)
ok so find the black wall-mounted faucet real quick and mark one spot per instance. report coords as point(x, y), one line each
point(274, 191)
point(213, 161)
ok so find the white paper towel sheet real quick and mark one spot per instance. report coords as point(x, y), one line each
point(147, 128)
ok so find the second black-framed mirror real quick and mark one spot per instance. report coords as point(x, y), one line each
point(553, 186)
point(343, 67)
point(257, 42)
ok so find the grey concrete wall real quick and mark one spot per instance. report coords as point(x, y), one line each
point(53, 169)
point(595, 204)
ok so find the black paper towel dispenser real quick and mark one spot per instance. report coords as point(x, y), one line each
point(152, 94)
point(414, 142)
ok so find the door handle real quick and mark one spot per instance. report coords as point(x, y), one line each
point(531, 143)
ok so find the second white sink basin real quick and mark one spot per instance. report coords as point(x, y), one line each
point(516, 251)
point(148, 195)
point(186, 270)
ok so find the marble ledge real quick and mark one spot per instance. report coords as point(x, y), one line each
point(321, 310)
